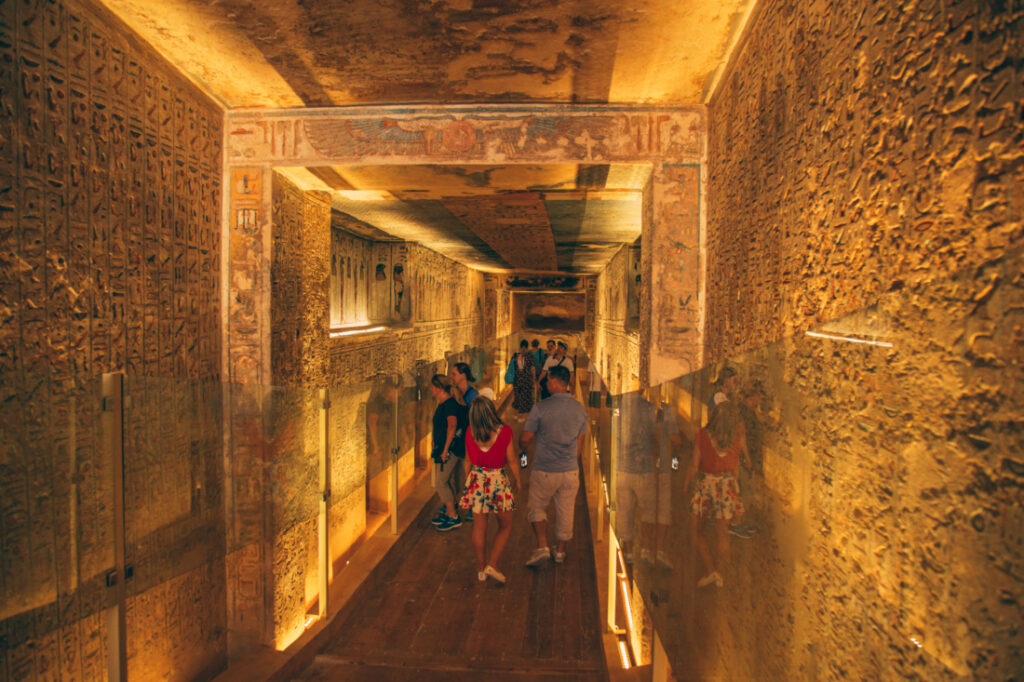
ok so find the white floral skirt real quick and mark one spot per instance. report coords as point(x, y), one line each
point(488, 491)
point(717, 497)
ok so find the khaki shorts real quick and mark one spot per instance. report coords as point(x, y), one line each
point(560, 487)
point(650, 494)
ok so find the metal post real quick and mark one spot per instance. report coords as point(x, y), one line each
point(325, 500)
point(613, 580)
point(113, 440)
point(612, 538)
point(395, 449)
point(595, 477)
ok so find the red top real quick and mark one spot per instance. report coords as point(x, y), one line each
point(714, 462)
point(494, 458)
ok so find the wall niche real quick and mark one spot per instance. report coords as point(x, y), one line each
point(367, 281)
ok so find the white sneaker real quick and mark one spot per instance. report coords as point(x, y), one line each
point(711, 577)
point(559, 557)
point(539, 556)
point(481, 575)
point(494, 573)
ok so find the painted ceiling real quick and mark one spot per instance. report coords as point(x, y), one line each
point(314, 53)
point(537, 218)
point(288, 53)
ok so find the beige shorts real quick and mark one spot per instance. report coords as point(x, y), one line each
point(649, 493)
point(560, 487)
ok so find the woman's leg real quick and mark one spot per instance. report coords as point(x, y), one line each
point(480, 538)
point(702, 544)
point(722, 536)
point(501, 539)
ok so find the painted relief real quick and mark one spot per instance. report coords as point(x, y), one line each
point(543, 282)
point(111, 176)
point(555, 312)
point(530, 134)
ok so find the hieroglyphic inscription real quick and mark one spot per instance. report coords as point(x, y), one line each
point(865, 165)
point(465, 134)
point(110, 170)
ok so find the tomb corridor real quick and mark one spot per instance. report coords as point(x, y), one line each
point(239, 240)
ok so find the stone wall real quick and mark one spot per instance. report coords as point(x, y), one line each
point(110, 167)
point(616, 346)
point(858, 149)
point(859, 155)
point(299, 275)
point(275, 569)
point(889, 509)
point(447, 302)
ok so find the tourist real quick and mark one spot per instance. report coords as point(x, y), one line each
point(487, 490)
point(558, 425)
point(648, 431)
point(723, 388)
point(449, 427)
point(716, 456)
point(539, 356)
point(559, 359)
point(462, 375)
point(525, 378)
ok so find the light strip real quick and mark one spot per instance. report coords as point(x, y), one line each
point(626, 606)
point(624, 655)
point(834, 337)
point(352, 332)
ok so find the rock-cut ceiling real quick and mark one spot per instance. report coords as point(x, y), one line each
point(551, 217)
point(296, 53)
point(289, 53)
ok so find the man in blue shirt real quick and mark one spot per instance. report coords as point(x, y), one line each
point(558, 424)
point(461, 375)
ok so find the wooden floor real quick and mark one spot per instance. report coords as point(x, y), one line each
point(423, 615)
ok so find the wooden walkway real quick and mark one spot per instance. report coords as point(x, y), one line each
point(423, 615)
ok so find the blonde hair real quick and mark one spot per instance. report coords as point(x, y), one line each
point(483, 419)
point(724, 424)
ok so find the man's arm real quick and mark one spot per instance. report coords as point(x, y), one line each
point(579, 446)
point(525, 439)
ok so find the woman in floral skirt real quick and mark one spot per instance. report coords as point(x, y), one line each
point(489, 448)
point(717, 456)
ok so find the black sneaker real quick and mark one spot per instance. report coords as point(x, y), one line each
point(450, 523)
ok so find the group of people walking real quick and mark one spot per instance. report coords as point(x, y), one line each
point(477, 471)
point(466, 426)
point(529, 369)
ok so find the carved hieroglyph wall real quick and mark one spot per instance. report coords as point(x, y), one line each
point(273, 565)
point(865, 181)
point(110, 167)
point(889, 510)
point(616, 344)
point(856, 150)
point(447, 305)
